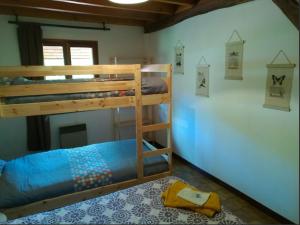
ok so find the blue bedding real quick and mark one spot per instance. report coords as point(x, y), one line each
point(49, 174)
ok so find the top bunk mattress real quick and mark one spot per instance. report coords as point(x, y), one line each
point(150, 85)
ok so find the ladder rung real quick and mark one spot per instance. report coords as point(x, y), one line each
point(154, 127)
point(157, 152)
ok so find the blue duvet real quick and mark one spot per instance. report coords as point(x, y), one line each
point(49, 174)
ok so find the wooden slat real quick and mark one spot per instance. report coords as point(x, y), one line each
point(156, 127)
point(60, 201)
point(170, 108)
point(55, 107)
point(38, 71)
point(177, 2)
point(155, 99)
point(63, 88)
point(77, 9)
point(156, 68)
point(149, 7)
point(139, 123)
point(157, 152)
point(41, 13)
point(53, 203)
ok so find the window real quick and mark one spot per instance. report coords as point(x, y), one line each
point(68, 52)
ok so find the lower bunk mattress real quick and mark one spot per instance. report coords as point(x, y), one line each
point(57, 172)
point(140, 204)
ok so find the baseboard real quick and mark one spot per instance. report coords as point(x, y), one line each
point(263, 208)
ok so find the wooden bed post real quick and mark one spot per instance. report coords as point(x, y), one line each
point(169, 130)
point(139, 122)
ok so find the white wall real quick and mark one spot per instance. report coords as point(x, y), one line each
point(230, 135)
point(121, 41)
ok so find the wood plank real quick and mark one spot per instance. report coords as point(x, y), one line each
point(139, 124)
point(155, 99)
point(149, 7)
point(203, 6)
point(157, 152)
point(156, 127)
point(78, 9)
point(38, 71)
point(291, 9)
point(64, 200)
point(57, 202)
point(55, 107)
point(156, 68)
point(63, 88)
point(40, 13)
point(170, 109)
point(177, 2)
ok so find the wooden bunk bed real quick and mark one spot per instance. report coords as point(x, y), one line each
point(65, 106)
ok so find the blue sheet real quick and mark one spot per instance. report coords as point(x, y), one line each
point(49, 174)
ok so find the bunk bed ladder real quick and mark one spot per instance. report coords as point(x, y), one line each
point(162, 126)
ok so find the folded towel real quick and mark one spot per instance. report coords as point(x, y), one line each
point(170, 199)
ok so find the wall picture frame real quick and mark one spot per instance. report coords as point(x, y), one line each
point(202, 78)
point(179, 59)
point(279, 84)
point(234, 51)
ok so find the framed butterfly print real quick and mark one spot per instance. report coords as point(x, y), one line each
point(179, 59)
point(279, 85)
point(234, 58)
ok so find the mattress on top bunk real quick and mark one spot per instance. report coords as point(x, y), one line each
point(150, 85)
point(53, 173)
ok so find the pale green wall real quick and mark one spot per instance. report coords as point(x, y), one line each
point(123, 41)
point(230, 135)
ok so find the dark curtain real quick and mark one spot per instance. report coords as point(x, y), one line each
point(31, 53)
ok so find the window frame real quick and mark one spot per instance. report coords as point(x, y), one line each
point(67, 44)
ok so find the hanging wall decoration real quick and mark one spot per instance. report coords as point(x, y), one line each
point(179, 58)
point(279, 84)
point(234, 58)
point(202, 78)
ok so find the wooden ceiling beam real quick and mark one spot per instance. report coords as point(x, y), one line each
point(177, 2)
point(148, 7)
point(67, 16)
point(81, 10)
point(291, 9)
point(203, 6)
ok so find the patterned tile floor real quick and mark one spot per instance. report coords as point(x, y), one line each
point(238, 206)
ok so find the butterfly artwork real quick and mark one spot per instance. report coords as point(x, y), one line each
point(279, 83)
point(278, 80)
point(276, 88)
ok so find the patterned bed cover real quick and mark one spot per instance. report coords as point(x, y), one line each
point(140, 204)
point(49, 174)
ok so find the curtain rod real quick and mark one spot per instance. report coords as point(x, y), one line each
point(65, 26)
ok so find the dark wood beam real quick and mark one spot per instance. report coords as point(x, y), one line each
point(291, 9)
point(148, 7)
point(203, 6)
point(77, 9)
point(177, 2)
point(67, 16)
